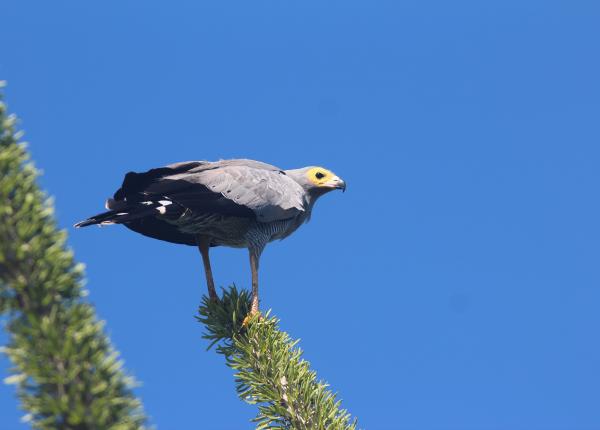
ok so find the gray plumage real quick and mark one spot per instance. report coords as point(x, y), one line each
point(235, 203)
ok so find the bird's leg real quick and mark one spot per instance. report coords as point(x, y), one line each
point(254, 256)
point(204, 245)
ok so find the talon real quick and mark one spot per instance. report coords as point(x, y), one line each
point(246, 320)
point(250, 316)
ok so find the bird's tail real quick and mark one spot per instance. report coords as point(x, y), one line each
point(121, 212)
point(103, 218)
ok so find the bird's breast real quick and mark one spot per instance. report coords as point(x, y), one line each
point(235, 232)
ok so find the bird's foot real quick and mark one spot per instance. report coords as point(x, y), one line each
point(250, 316)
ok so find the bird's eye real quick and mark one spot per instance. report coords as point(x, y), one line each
point(319, 175)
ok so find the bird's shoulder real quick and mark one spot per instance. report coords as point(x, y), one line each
point(264, 188)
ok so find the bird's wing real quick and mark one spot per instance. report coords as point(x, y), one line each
point(231, 187)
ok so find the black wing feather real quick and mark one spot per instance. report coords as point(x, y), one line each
point(136, 203)
point(155, 185)
point(135, 183)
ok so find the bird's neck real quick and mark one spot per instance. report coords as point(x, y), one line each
point(310, 199)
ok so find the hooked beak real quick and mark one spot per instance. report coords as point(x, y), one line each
point(336, 183)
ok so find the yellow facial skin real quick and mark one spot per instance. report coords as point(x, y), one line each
point(320, 176)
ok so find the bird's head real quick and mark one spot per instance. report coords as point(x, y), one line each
point(317, 180)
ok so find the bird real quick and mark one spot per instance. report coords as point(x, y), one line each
point(238, 203)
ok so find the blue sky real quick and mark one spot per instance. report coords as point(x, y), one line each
point(455, 285)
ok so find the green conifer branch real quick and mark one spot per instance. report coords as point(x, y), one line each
point(68, 376)
point(269, 369)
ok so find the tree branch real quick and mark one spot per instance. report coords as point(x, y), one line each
point(270, 371)
point(67, 373)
